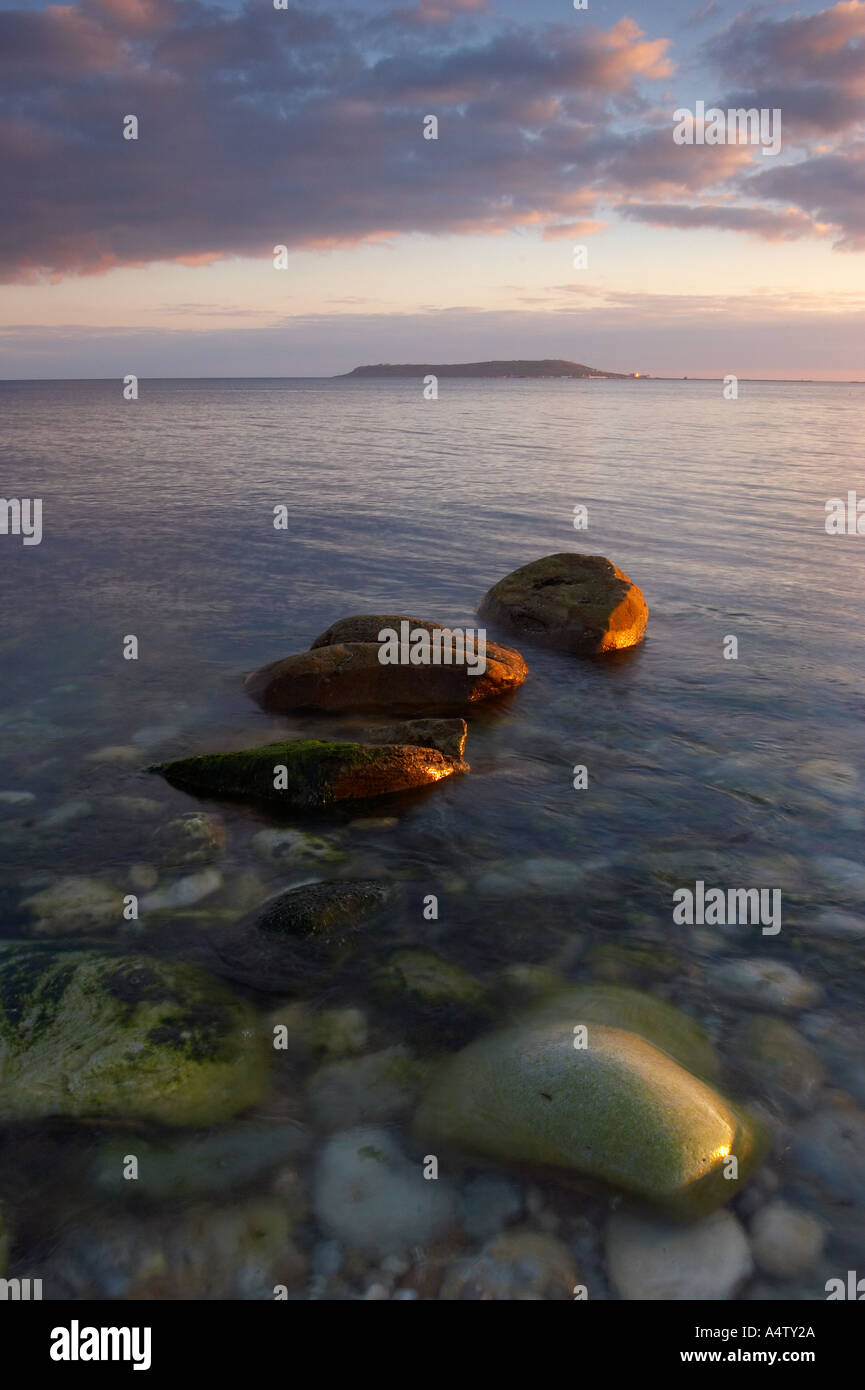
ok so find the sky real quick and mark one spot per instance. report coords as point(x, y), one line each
point(303, 127)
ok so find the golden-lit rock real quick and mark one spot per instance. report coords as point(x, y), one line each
point(350, 675)
point(581, 604)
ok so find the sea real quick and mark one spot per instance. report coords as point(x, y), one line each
point(224, 524)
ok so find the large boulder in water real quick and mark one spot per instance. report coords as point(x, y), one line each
point(620, 1111)
point(343, 671)
point(99, 1037)
point(581, 604)
point(317, 772)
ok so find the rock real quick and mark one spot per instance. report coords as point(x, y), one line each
point(369, 1195)
point(295, 939)
point(830, 1147)
point(660, 1262)
point(74, 904)
point(17, 798)
point(786, 1242)
point(366, 1090)
point(518, 1266)
point(619, 1111)
point(228, 1252)
point(196, 838)
point(293, 846)
point(116, 753)
point(844, 877)
point(342, 671)
point(446, 1004)
point(65, 814)
point(488, 1204)
point(581, 604)
point(143, 877)
point(351, 677)
point(616, 1006)
point(338, 1032)
point(522, 984)
point(834, 777)
point(841, 926)
point(196, 1167)
point(101, 1037)
point(766, 984)
point(154, 734)
point(317, 773)
point(447, 735)
point(426, 978)
point(136, 806)
point(183, 892)
point(776, 1059)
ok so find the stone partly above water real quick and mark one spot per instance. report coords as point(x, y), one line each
point(447, 735)
point(100, 1037)
point(306, 774)
point(619, 1111)
point(342, 671)
point(581, 604)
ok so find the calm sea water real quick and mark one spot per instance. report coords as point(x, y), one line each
point(158, 522)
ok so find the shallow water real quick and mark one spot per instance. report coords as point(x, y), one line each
point(158, 522)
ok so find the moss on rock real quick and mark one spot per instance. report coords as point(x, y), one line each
point(317, 772)
point(96, 1036)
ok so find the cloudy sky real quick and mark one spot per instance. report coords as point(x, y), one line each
point(303, 127)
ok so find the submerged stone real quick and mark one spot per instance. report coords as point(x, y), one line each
point(619, 1111)
point(294, 940)
point(102, 1037)
point(199, 1166)
point(655, 1261)
point(617, 1006)
point(316, 773)
point(74, 905)
point(581, 604)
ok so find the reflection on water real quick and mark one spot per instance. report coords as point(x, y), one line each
point(158, 522)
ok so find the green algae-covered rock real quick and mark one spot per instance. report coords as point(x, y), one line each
point(316, 773)
point(442, 1004)
point(196, 838)
point(581, 604)
point(428, 978)
point(619, 1111)
point(96, 1036)
point(634, 1011)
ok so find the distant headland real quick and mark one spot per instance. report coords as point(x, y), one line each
point(548, 367)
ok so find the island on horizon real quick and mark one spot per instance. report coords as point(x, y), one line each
point(547, 367)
